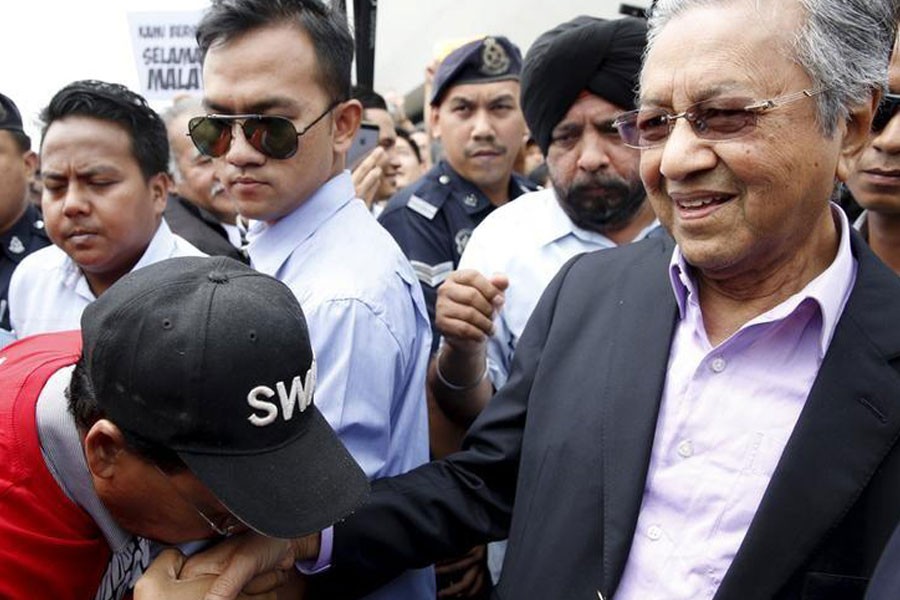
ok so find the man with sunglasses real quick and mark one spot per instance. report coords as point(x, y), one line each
point(875, 181)
point(714, 419)
point(276, 78)
point(109, 440)
point(104, 166)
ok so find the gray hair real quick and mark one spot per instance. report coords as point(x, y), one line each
point(843, 45)
point(182, 105)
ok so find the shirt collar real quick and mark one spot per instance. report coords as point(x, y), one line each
point(829, 290)
point(161, 246)
point(269, 246)
point(62, 452)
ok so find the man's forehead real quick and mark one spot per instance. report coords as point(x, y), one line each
point(486, 91)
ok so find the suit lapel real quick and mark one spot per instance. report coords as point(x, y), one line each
point(850, 421)
point(630, 400)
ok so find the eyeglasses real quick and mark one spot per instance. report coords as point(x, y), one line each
point(715, 120)
point(226, 525)
point(274, 136)
point(886, 110)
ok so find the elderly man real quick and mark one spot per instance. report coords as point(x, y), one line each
point(104, 164)
point(199, 208)
point(716, 419)
point(21, 226)
point(109, 439)
point(875, 182)
point(476, 114)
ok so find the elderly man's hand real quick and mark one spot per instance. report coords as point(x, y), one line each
point(367, 175)
point(464, 311)
point(237, 561)
point(164, 580)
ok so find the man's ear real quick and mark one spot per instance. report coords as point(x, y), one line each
point(347, 117)
point(31, 163)
point(857, 134)
point(104, 448)
point(434, 123)
point(159, 185)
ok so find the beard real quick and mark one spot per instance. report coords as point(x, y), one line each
point(601, 203)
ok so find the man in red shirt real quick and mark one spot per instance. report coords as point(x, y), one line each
point(174, 415)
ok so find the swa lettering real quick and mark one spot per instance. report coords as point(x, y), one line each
point(298, 398)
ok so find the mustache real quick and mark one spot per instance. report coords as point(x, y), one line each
point(492, 148)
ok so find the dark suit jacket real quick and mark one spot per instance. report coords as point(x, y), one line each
point(199, 228)
point(559, 458)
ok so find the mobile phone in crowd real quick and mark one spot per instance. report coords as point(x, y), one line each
point(364, 142)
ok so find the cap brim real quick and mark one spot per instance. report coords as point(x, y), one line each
point(300, 488)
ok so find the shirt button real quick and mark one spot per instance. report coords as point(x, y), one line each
point(686, 449)
point(654, 532)
point(444, 179)
point(718, 364)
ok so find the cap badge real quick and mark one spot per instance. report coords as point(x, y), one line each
point(16, 246)
point(494, 59)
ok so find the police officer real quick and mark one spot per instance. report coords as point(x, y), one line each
point(21, 227)
point(476, 115)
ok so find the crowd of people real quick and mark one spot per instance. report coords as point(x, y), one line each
point(614, 320)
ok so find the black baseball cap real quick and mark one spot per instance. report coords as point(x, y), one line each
point(481, 61)
point(10, 118)
point(211, 359)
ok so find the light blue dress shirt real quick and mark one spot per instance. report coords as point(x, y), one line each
point(369, 329)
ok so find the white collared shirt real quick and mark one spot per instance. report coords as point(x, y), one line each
point(48, 291)
point(528, 240)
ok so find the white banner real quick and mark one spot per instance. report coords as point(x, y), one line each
point(166, 53)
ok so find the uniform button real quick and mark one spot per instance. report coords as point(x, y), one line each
point(686, 449)
point(444, 179)
point(38, 224)
point(654, 532)
point(718, 364)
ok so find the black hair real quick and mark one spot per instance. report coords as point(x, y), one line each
point(86, 411)
point(368, 97)
point(402, 133)
point(326, 27)
point(117, 104)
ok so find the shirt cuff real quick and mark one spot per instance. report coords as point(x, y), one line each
point(323, 562)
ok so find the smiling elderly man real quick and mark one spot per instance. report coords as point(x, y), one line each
point(713, 420)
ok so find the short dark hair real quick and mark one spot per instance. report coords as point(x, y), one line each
point(402, 133)
point(117, 104)
point(326, 27)
point(368, 97)
point(85, 410)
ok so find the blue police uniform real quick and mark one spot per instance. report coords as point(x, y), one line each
point(24, 237)
point(432, 220)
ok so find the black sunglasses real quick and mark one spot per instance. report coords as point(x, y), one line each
point(274, 136)
point(886, 110)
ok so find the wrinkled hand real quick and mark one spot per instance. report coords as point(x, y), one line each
point(468, 574)
point(367, 175)
point(236, 561)
point(465, 308)
point(165, 580)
